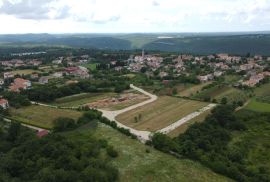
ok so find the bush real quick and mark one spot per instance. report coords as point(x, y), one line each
point(112, 152)
point(63, 124)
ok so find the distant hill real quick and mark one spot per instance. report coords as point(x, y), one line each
point(236, 44)
point(196, 43)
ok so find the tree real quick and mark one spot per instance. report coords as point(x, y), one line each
point(174, 91)
point(112, 152)
point(224, 101)
point(13, 131)
point(136, 119)
point(63, 124)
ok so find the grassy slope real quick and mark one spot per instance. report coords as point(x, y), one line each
point(218, 92)
point(258, 106)
point(263, 90)
point(255, 141)
point(42, 116)
point(191, 90)
point(135, 164)
point(160, 113)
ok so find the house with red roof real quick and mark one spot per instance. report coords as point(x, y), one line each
point(4, 103)
point(19, 84)
point(42, 133)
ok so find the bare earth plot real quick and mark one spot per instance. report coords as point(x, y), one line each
point(81, 99)
point(159, 114)
point(107, 101)
point(25, 72)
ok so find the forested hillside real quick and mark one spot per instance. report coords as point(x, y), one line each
point(254, 43)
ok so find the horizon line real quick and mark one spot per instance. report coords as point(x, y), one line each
point(191, 32)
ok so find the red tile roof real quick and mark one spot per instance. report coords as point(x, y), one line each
point(3, 101)
point(42, 133)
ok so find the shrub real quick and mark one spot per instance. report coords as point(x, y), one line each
point(112, 152)
point(63, 124)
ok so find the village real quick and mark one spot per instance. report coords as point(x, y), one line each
point(252, 69)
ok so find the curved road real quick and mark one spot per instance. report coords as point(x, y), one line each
point(111, 115)
point(143, 136)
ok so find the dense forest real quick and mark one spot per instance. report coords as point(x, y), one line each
point(233, 144)
point(55, 158)
point(241, 44)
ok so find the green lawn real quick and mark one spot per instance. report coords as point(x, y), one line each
point(41, 116)
point(91, 66)
point(258, 106)
point(135, 164)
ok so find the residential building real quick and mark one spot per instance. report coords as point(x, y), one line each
point(18, 84)
point(43, 80)
point(2, 82)
point(8, 75)
point(4, 103)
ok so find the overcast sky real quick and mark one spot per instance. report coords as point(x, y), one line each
point(102, 16)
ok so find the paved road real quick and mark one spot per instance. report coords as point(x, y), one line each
point(143, 136)
point(26, 125)
point(111, 115)
point(185, 119)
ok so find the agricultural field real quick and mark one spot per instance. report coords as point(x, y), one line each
point(190, 90)
point(159, 114)
point(41, 116)
point(24, 72)
point(262, 93)
point(138, 162)
point(106, 101)
point(230, 79)
point(181, 129)
point(232, 95)
point(219, 91)
point(255, 105)
point(81, 99)
point(263, 90)
point(91, 66)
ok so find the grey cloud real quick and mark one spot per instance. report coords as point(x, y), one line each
point(155, 3)
point(32, 9)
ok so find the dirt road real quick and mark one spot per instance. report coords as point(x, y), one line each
point(185, 119)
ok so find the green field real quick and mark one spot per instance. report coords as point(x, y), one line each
point(219, 91)
point(159, 114)
point(254, 105)
point(263, 90)
point(41, 116)
point(190, 90)
point(135, 164)
point(91, 66)
point(262, 93)
point(81, 99)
